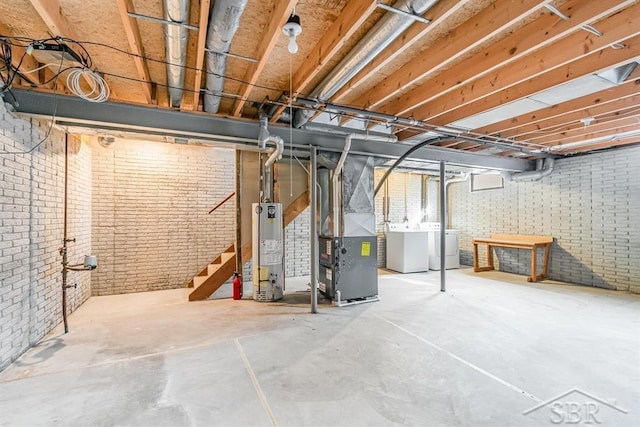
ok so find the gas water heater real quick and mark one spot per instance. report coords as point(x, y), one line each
point(268, 251)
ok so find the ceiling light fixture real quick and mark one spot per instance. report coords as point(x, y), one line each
point(292, 29)
point(587, 121)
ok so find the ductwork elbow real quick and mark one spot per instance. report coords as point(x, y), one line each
point(544, 169)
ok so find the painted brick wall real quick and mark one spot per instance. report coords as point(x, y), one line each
point(589, 204)
point(31, 224)
point(151, 229)
point(297, 251)
point(397, 196)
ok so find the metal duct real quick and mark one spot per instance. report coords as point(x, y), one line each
point(379, 37)
point(358, 202)
point(340, 219)
point(224, 22)
point(544, 168)
point(176, 47)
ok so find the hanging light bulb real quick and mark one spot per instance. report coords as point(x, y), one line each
point(292, 29)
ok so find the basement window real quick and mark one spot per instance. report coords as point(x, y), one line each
point(487, 181)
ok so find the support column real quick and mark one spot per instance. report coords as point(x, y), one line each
point(443, 228)
point(313, 240)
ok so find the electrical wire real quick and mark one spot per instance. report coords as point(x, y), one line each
point(162, 61)
point(48, 133)
point(87, 60)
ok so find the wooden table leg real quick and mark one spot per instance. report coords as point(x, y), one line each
point(534, 256)
point(476, 266)
point(490, 257)
point(545, 266)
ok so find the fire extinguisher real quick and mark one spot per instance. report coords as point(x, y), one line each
point(237, 286)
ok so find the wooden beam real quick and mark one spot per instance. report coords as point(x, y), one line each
point(593, 104)
point(29, 63)
point(593, 63)
point(279, 16)
point(51, 13)
point(574, 56)
point(135, 46)
point(607, 117)
point(600, 146)
point(523, 49)
point(592, 131)
point(350, 19)
point(203, 26)
point(438, 15)
point(493, 20)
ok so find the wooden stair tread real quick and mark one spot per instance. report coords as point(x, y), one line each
point(214, 275)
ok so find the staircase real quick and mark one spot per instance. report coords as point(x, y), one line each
point(214, 275)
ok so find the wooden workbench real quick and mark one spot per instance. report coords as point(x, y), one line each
point(516, 241)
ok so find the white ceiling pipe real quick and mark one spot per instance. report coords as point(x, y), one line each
point(263, 138)
point(276, 154)
point(388, 28)
point(224, 22)
point(176, 47)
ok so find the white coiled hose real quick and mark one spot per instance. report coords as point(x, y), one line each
point(99, 89)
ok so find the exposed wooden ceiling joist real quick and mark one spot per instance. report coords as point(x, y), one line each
point(620, 108)
point(591, 131)
point(472, 33)
point(350, 19)
point(474, 56)
point(279, 17)
point(135, 46)
point(438, 15)
point(51, 13)
point(528, 49)
point(26, 63)
point(599, 146)
point(203, 26)
point(602, 102)
point(544, 69)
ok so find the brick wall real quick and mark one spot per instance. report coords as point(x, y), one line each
point(151, 229)
point(589, 204)
point(297, 250)
point(31, 224)
point(398, 181)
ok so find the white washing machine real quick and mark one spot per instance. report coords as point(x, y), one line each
point(452, 246)
point(407, 249)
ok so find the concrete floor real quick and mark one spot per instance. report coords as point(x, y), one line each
point(489, 349)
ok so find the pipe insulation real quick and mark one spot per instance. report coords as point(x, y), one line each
point(223, 24)
point(176, 47)
point(388, 28)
